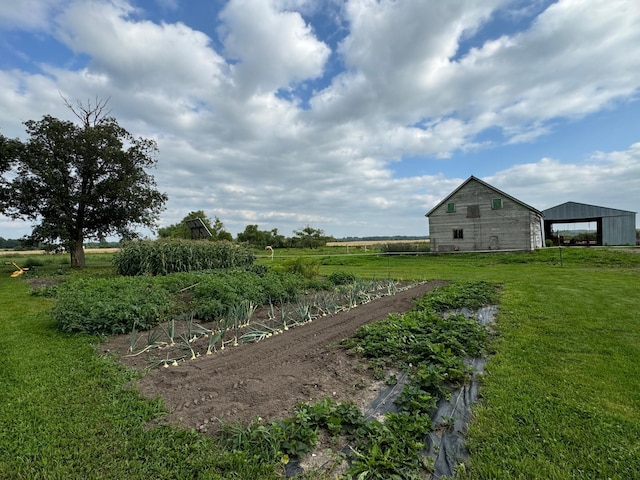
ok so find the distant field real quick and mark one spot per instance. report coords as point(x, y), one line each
point(363, 243)
point(39, 252)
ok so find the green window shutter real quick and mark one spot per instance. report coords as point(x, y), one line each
point(451, 207)
point(496, 204)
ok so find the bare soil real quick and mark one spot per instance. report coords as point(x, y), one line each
point(268, 378)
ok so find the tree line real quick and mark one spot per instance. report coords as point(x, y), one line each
point(306, 237)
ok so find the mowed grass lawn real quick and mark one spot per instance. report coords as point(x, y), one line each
point(561, 397)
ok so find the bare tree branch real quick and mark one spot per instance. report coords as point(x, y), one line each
point(90, 116)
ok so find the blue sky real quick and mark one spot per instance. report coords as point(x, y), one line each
point(353, 116)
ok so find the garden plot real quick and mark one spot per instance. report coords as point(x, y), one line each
point(267, 378)
point(277, 395)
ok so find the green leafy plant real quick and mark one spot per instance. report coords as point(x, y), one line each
point(341, 278)
point(429, 347)
point(110, 305)
point(306, 267)
point(472, 295)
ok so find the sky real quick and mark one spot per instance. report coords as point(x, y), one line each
point(355, 117)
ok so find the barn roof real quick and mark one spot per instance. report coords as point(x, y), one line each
point(575, 210)
point(499, 192)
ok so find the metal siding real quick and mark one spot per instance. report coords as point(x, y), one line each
point(619, 230)
point(618, 226)
point(574, 210)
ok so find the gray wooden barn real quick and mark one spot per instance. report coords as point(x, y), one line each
point(613, 227)
point(477, 216)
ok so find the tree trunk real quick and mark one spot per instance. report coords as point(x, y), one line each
point(77, 254)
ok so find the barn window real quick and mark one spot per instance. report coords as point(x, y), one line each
point(496, 204)
point(457, 233)
point(451, 207)
point(473, 211)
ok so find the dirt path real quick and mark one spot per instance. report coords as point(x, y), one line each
point(268, 378)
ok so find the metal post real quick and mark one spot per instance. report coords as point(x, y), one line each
point(561, 263)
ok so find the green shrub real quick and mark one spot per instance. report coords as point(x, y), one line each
point(110, 305)
point(341, 278)
point(301, 266)
point(163, 257)
point(472, 295)
point(31, 262)
point(116, 304)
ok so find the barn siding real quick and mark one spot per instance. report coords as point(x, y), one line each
point(514, 226)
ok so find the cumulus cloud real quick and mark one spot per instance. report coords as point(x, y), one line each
point(141, 55)
point(29, 14)
point(568, 64)
point(264, 117)
point(273, 48)
point(401, 66)
point(604, 178)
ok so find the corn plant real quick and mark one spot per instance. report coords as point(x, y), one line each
point(162, 257)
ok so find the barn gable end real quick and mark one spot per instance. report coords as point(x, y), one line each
point(477, 216)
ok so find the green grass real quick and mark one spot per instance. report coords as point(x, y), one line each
point(562, 393)
point(561, 398)
point(66, 413)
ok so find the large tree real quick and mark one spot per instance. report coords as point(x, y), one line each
point(9, 150)
point(84, 181)
point(310, 237)
point(261, 238)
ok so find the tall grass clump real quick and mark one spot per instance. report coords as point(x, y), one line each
point(405, 248)
point(162, 257)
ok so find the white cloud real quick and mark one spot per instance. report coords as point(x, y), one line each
point(232, 146)
point(579, 56)
point(274, 49)
point(605, 179)
point(28, 14)
point(140, 55)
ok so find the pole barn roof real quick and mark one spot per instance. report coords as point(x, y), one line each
point(579, 212)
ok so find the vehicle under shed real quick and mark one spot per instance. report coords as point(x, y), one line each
point(613, 226)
